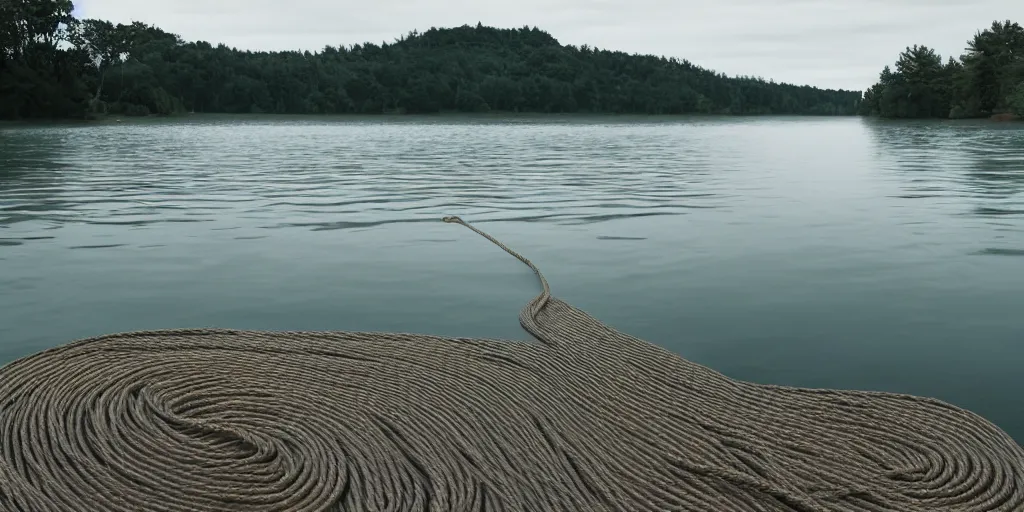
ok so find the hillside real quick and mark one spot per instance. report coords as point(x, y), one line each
point(140, 69)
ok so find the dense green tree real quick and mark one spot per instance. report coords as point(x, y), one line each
point(987, 79)
point(40, 74)
point(25, 24)
point(106, 45)
point(140, 69)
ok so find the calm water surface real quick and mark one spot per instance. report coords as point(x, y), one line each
point(811, 252)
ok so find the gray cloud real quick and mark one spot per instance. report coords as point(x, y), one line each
point(829, 43)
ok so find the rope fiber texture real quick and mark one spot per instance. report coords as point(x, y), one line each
point(590, 419)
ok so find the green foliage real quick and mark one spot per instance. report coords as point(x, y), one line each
point(138, 69)
point(40, 76)
point(986, 80)
point(1016, 100)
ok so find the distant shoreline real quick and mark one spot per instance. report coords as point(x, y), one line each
point(525, 117)
point(393, 116)
point(111, 118)
point(498, 116)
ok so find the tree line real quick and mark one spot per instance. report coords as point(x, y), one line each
point(987, 80)
point(54, 65)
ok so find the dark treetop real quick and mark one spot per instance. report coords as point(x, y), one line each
point(53, 65)
point(987, 80)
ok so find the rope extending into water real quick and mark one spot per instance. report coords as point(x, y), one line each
point(589, 420)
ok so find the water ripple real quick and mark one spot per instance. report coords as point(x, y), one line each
point(325, 176)
point(330, 176)
point(995, 251)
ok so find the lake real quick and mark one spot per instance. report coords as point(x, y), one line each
point(820, 252)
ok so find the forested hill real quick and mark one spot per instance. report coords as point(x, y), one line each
point(57, 66)
point(987, 80)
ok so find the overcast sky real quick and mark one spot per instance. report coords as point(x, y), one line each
point(827, 43)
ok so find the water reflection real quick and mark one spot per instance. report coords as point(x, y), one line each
point(971, 158)
point(973, 169)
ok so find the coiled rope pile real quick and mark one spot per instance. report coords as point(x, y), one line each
point(589, 419)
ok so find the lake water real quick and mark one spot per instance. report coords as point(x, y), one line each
point(839, 253)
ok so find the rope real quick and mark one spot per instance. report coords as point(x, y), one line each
point(546, 290)
point(590, 420)
point(528, 316)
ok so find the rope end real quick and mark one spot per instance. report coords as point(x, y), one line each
point(452, 219)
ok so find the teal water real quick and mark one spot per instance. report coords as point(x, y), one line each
point(812, 252)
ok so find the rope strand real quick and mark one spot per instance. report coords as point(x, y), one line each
point(533, 308)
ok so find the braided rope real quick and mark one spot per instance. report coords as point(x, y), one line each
point(590, 419)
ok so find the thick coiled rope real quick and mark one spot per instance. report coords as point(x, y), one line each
point(588, 420)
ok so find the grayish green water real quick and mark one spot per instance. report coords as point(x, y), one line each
point(812, 252)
